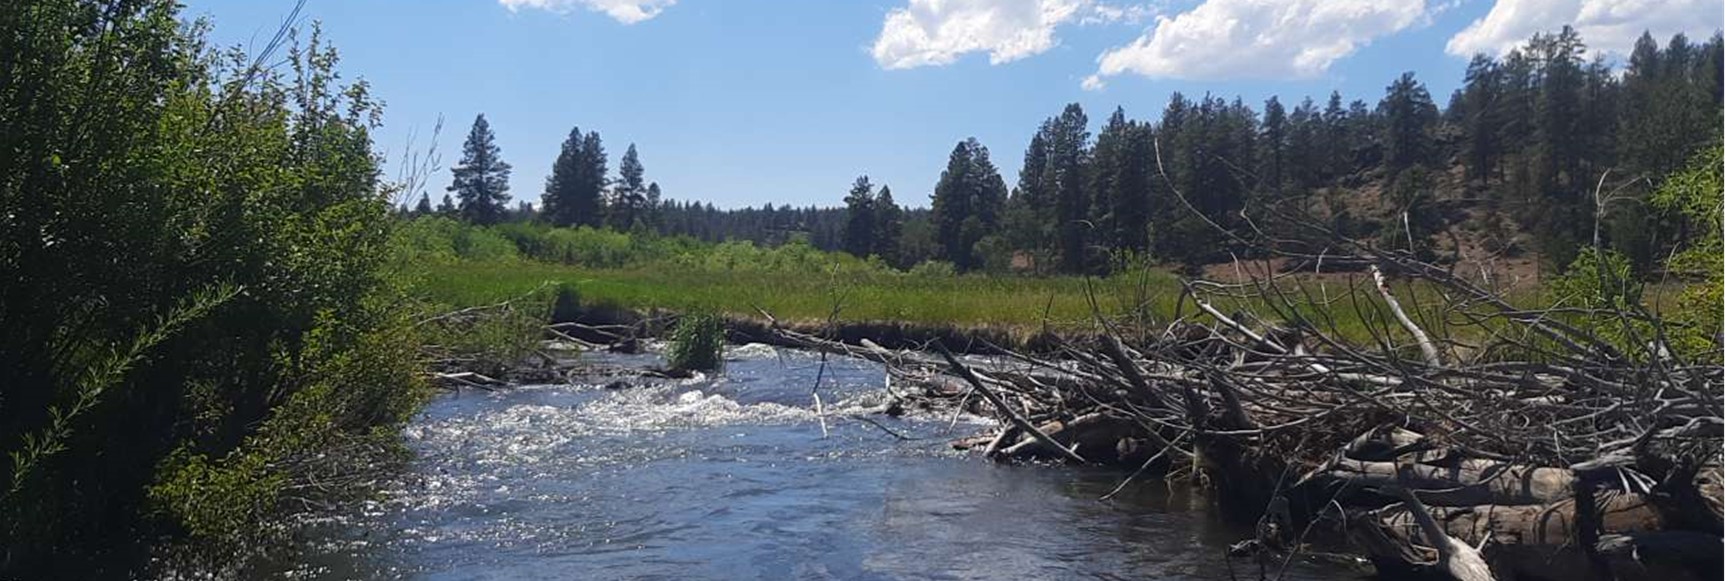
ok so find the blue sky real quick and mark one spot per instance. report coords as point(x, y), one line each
point(743, 102)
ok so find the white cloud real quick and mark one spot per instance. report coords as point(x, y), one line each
point(1609, 26)
point(624, 11)
point(938, 32)
point(1226, 39)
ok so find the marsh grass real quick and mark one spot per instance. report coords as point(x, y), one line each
point(697, 344)
point(1017, 303)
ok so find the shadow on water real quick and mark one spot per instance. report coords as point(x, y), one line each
point(730, 478)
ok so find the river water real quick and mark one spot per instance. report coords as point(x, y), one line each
point(730, 477)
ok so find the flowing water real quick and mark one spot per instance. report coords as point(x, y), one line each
point(731, 478)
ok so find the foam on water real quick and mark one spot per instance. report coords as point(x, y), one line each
point(730, 476)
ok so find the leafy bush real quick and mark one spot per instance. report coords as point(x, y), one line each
point(697, 344)
point(440, 238)
point(1696, 193)
point(144, 181)
point(1602, 282)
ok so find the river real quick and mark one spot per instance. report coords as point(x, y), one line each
point(731, 478)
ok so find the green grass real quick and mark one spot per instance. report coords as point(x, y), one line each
point(1021, 305)
point(961, 300)
point(463, 265)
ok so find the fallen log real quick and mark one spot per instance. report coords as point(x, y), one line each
point(1466, 483)
point(976, 382)
point(1521, 542)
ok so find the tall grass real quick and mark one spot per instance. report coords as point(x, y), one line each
point(798, 282)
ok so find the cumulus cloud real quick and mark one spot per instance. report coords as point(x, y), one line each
point(938, 32)
point(1609, 26)
point(1228, 39)
point(624, 11)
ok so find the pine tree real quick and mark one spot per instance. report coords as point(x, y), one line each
point(967, 202)
point(447, 207)
point(889, 227)
point(1069, 155)
point(569, 199)
point(1481, 109)
point(1409, 119)
point(423, 208)
point(591, 181)
point(653, 213)
point(860, 221)
point(1029, 212)
point(1274, 147)
point(629, 195)
point(1337, 150)
point(1557, 212)
point(1121, 183)
point(1305, 156)
point(481, 179)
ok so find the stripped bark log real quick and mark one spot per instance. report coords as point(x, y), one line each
point(1466, 483)
point(1427, 348)
point(1455, 558)
point(976, 382)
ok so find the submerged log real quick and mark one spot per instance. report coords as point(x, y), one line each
point(1521, 542)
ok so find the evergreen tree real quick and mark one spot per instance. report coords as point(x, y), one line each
point(423, 208)
point(967, 202)
point(1479, 117)
point(481, 179)
point(1409, 119)
point(446, 208)
point(1363, 139)
point(1273, 140)
point(1029, 212)
point(591, 181)
point(569, 199)
point(1069, 153)
point(629, 195)
point(654, 215)
point(1558, 213)
point(1336, 150)
point(889, 227)
point(1122, 177)
point(860, 220)
point(1304, 153)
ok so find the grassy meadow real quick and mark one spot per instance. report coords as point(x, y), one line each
point(956, 300)
point(461, 266)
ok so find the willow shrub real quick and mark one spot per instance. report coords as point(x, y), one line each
point(1698, 194)
point(201, 330)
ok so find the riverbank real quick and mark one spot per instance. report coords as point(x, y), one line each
point(1311, 436)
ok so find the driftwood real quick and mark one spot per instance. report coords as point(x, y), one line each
point(1466, 483)
point(1531, 444)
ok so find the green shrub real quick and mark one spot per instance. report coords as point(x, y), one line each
point(1696, 193)
point(697, 344)
point(142, 174)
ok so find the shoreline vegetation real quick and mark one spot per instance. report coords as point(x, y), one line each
point(1444, 443)
point(217, 312)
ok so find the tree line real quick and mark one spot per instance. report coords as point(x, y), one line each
point(1509, 165)
point(1532, 136)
